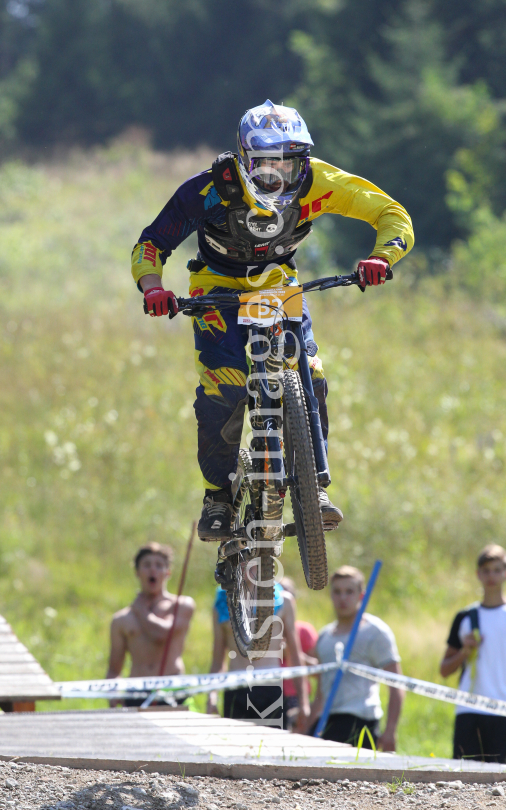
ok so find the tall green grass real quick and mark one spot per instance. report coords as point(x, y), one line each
point(98, 439)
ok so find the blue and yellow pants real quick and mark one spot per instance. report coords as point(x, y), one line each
point(222, 366)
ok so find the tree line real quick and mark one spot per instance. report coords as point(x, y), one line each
point(409, 93)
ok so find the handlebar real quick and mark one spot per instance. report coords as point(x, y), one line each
point(204, 303)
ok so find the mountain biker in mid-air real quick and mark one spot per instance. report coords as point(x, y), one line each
point(251, 211)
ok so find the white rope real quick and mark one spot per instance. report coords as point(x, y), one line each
point(432, 690)
point(181, 686)
point(185, 685)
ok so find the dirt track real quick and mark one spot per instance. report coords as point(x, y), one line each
point(26, 787)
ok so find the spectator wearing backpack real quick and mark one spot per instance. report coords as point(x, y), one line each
point(477, 645)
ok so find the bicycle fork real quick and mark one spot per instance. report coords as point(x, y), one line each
point(320, 454)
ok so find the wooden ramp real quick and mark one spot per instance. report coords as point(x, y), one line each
point(22, 679)
point(206, 745)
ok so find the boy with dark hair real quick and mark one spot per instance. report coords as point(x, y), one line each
point(477, 645)
point(142, 628)
point(165, 552)
point(357, 702)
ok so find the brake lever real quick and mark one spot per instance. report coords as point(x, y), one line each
point(388, 277)
point(344, 281)
point(189, 307)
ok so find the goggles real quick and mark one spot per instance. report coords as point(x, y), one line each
point(278, 174)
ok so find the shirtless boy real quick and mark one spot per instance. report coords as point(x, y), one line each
point(142, 628)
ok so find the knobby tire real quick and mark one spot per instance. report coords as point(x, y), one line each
point(301, 467)
point(248, 623)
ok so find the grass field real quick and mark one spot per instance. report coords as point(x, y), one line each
point(98, 444)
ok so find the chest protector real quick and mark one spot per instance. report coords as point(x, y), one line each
point(247, 238)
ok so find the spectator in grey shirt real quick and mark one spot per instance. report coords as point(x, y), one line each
point(357, 702)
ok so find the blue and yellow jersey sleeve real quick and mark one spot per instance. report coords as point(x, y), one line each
point(194, 202)
point(334, 191)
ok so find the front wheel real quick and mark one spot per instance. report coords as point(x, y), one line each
point(250, 597)
point(303, 482)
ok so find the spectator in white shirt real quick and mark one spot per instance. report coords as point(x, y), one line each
point(477, 646)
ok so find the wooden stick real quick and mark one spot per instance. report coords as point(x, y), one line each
point(179, 592)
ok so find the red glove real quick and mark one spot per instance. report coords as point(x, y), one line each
point(372, 271)
point(158, 301)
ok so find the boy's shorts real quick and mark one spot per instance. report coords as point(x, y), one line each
point(261, 697)
point(480, 736)
point(346, 728)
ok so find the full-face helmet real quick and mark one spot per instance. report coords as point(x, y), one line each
point(273, 154)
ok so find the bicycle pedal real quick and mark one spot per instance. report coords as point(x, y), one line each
point(222, 575)
point(330, 527)
point(289, 530)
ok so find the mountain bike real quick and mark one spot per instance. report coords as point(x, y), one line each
point(286, 451)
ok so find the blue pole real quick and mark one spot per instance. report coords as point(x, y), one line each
point(322, 722)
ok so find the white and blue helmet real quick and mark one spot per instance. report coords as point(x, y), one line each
point(273, 154)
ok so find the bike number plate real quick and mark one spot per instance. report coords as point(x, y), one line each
point(268, 307)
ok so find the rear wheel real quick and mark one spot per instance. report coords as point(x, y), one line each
point(301, 470)
point(250, 597)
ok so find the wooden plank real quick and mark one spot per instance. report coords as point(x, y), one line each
point(162, 709)
point(21, 676)
point(24, 678)
point(9, 638)
point(7, 650)
point(22, 686)
point(25, 682)
point(30, 694)
point(8, 647)
point(13, 647)
point(116, 740)
point(17, 668)
point(39, 675)
point(13, 653)
point(32, 697)
point(257, 771)
point(27, 688)
point(17, 658)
